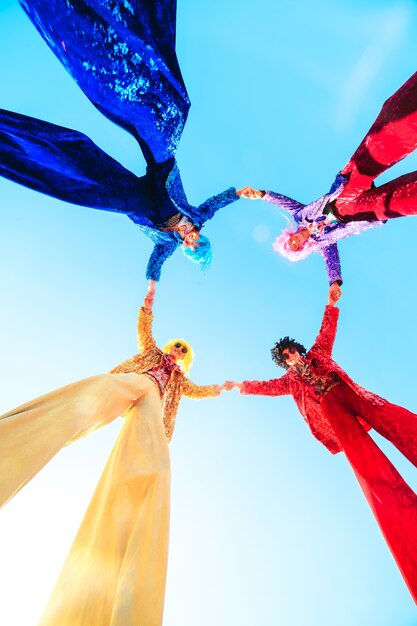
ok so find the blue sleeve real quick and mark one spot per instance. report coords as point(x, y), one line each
point(209, 207)
point(159, 255)
point(332, 261)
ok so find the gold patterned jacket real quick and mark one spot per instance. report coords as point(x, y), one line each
point(178, 385)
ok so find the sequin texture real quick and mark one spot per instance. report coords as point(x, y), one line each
point(325, 241)
point(292, 383)
point(150, 357)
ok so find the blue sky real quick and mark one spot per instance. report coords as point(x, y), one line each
point(267, 527)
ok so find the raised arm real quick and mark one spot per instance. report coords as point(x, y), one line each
point(160, 253)
point(145, 319)
point(331, 258)
point(327, 335)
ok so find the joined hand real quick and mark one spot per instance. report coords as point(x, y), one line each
point(334, 293)
point(250, 193)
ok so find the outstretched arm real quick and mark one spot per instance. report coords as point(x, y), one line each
point(332, 260)
point(207, 209)
point(274, 387)
point(283, 201)
point(200, 392)
point(327, 335)
point(145, 319)
point(160, 253)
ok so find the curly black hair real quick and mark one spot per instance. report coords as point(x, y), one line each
point(279, 347)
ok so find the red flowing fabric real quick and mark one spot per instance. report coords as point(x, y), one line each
point(392, 501)
point(392, 137)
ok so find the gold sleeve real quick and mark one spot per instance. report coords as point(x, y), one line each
point(145, 338)
point(198, 392)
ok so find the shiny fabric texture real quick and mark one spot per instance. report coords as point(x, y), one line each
point(340, 420)
point(292, 383)
point(392, 501)
point(115, 572)
point(162, 373)
point(167, 242)
point(116, 569)
point(391, 137)
point(353, 198)
point(122, 55)
point(151, 356)
point(397, 198)
point(326, 241)
point(30, 435)
point(67, 165)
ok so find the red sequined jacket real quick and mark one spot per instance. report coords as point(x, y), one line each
point(292, 383)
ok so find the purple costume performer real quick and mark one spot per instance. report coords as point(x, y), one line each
point(354, 203)
point(325, 228)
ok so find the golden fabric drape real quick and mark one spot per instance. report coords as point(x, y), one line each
point(115, 572)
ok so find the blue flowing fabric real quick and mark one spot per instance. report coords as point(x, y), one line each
point(122, 55)
point(67, 165)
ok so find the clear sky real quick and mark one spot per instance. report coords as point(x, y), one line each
point(267, 527)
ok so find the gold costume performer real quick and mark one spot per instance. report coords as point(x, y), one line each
point(115, 572)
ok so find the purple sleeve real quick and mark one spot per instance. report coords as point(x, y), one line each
point(283, 201)
point(332, 261)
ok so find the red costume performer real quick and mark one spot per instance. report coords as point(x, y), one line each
point(391, 137)
point(339, 413)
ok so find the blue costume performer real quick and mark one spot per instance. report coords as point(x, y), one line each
point(122, 55)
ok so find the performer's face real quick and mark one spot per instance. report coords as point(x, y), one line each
point(191, 238)
point(178, 351)
point(297, 240)
point(291, 356)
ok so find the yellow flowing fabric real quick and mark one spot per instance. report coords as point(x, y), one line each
point(115, 572)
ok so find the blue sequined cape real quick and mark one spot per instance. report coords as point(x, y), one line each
point(122, 55)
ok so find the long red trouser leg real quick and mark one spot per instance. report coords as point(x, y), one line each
point(398, 198)
point(393, 422)
point(392, 501)
point(391, 137)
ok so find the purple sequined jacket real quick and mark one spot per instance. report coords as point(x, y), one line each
point(326, 239)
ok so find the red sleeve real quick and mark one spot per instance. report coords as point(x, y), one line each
point(327, 335)
point(274, 387)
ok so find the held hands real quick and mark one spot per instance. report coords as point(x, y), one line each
point(334, 293)
point(250, 193)
point(227, 386)
point(230, 384)
point(149, 298)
